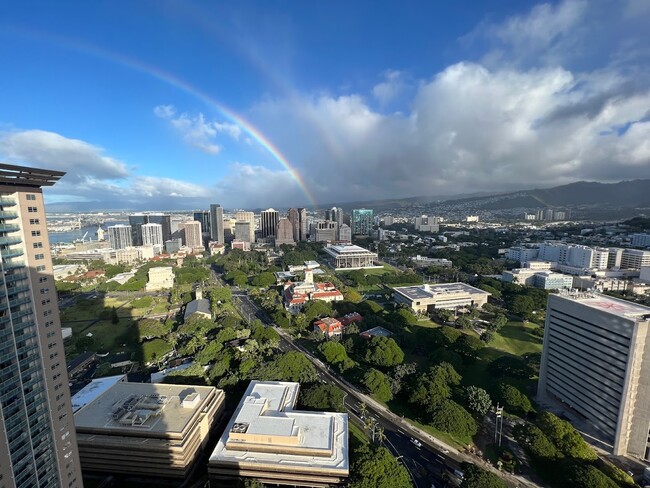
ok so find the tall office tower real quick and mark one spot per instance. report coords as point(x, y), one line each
point(203, 216)
point(304, 223)
point(164, 220)
point(284, 233)
point(243, 231)
point(325, 231)
point(191, 233)
point(294, 218)
point(269, 222)
point(361, 221)
point(249, 217)
point(336, 214)
point(38, 445)
point(120, 236)
point(596, 360)
point(345, 233)
point(152, 235)
point(216, 223)
point(136, 222)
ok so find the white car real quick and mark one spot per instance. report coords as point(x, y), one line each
point(416, 442)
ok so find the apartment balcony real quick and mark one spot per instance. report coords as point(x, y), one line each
point(7, 202)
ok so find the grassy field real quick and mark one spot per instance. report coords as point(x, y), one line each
point(517, 338)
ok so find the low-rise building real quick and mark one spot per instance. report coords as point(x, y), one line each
point(269, 441)
point(160, 278)
point(351, 318)
point(548, 280)
point(296, 295)
point(241, 245)
point(425, 298)
point(329, 326)
point(350, 256)
point(422, 261)
point(216, 248)
point(147, 429)
point(375, 332)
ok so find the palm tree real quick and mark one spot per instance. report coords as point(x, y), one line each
point(380, 435)
point(363, 409)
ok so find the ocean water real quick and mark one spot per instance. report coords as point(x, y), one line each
point(68, 237)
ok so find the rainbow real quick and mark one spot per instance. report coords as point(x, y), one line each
point(184, 86)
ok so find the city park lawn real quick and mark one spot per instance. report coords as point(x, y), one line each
point(517, 338)
point(92, 309)
point(107, 336)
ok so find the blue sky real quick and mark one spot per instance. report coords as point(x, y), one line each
point(173, 105)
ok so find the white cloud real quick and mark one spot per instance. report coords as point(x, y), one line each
point(196, 130)
point(389, 89)
point(470, 129)
point(53, 151)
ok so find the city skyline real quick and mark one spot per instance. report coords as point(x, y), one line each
point(250, 109)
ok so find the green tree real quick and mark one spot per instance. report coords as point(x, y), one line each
point(444, 355)
point(477, 400)
point(376, 467)
point(587, 476)
point(290, 366)
point(450, 417)
point(378, 384)
point(369, 307)
point(220, 294)
point(315, 309)
point(463, 322)
point(476, 477)
point(335, 354)
point(535, 442)
point(264, 280)
point(237, 278)
point(513, 400)
point(524, 306)
point(323, 397)
point(209, 353)
point(567, 439)
point(487, 336)
point(468, 346)
point(383, 351)
point(84, 343)
point(430, 389)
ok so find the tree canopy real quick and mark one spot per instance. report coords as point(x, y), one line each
point(323, 397)
point(477, 400)
point(383, 351)
point(514, 400)
point(451, 417)
point(476, 477)
point(567, 439)
point(378, 468)
point(378, 384)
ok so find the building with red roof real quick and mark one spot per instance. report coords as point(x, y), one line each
point(329, 326)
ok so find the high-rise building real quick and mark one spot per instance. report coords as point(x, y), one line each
point(325, 231)
point(269, 222)
point(596, 360)
point(191, 234)
point(120, 236)
point(284, 233)
point(163, 219)
point(136, 222)
point(38, 445)
point(361, 221)
point(294, 217)
point(242, 216)
point(345, 233)
point(304, 223)
point(216, 223)
point(203, 216)
point(152, 235)
point(336, 215)
point(243, 231)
